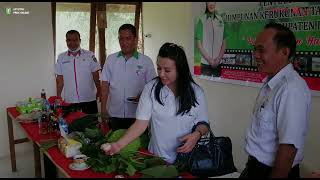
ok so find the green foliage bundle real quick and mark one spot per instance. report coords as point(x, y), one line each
point(127, 163)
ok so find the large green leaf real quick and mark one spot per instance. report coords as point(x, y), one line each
point(162, 171)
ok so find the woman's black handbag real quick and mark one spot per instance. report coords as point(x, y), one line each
point(212, 156)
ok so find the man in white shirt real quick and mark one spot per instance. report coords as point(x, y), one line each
point(77, 73)
point(275, 139)
point(123, 77)
point(77, 82)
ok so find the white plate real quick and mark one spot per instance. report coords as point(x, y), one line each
point(73, 167)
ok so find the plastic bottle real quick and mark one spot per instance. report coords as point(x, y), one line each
point(43, 94)
point(64, 125)
point(44, 122)
point(47, 106)
point(40, 124)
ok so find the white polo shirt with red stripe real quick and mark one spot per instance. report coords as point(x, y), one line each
point(77, 70)
point(127, 79)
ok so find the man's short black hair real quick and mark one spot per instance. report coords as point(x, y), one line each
point(129, 27)
point(284, 37)
point(73, 32)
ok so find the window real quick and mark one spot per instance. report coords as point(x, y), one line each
point(72, 16)
point(117, 14)
point(78, 16)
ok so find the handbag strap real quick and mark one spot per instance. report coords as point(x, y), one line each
point(201, 138)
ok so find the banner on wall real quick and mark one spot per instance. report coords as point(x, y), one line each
point(225, 32)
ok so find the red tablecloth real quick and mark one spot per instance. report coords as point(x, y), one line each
point(64, 162)
point(59, 159)
point(32, 129)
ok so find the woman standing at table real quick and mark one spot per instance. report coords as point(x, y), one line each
point(172, 104)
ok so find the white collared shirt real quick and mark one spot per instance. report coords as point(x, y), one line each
point(280, 116)
point(77, 76)
point(126, 79)
point(165, 126)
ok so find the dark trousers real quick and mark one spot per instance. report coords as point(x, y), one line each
point(50, 170)
point(87, 107)
point(256, 169)
point(122, 123)
point(208, 70)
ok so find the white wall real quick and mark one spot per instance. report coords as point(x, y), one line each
point(26, 61)
point(166, 22)
point(229, 105)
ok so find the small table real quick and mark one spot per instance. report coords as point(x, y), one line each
point(12, 113)
point(32, 132)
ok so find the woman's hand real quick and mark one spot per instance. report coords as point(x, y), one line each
point(214, 62)
point(111, 148)
point(190, 140)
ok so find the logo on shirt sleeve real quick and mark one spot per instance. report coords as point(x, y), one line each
point(94, 58)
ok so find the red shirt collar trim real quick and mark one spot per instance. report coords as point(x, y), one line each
point(74, 54)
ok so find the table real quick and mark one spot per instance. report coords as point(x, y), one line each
point(11, 116)
point(54, 154)
point(33, 135)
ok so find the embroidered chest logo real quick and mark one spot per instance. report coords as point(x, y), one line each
point(139, 70)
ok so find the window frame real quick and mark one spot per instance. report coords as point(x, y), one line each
point(98, 18)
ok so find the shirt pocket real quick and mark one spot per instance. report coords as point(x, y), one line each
point(140, 73)
point(266, 120)
point(66, 67)
point(83, 63)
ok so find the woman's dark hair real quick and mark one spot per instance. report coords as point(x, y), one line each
point(185, 92)
point(207, 10)
point(283, 38)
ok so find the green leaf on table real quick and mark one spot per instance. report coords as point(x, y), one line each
point(154, 161)
point(137, 162)
point(115, 159)
point(161, 171)
point(93, 133)
point(144, 141)
point(110, 168)
point(146, 176)
point(131, 170)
